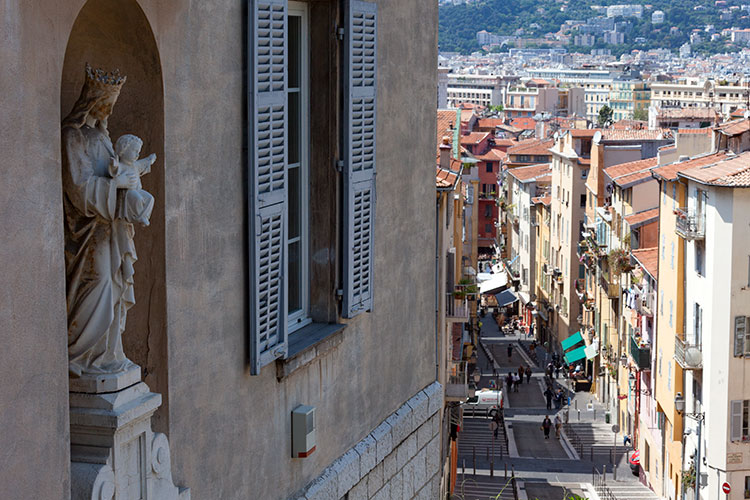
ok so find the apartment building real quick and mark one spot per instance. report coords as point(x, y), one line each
point(597, 95)
point(571, 164)
point(543, 290)
point(627, 97)
point(682, 118)
point(483, 90)
point(526, 184)
point(722, 96)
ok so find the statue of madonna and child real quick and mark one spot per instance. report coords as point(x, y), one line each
point(103, 199)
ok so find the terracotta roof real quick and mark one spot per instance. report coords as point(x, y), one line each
point(544, 200)
point(539, 81)
point(648, 258)
point(738, 113)
point(630, 125)
point(492, 155)
point(532, 147)
point(523, 123)
point(445, 178)
point(735, 127)
point(473, 138)
point(706, 113)
point(704, 130)
point(669, 172)
point(489, 122)
point(635, 134)
point(631, 172)
point(466, 114)
point(445, 117)
point(505, 142)
point(525, 174)
point(509, 129)
point(642, 217)
point(579, 133)
point(732, 172)
point(544, 179)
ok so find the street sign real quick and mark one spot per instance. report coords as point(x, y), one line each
point(615, 428)
point(726, 488)
point(493, 425)
point(635, 457)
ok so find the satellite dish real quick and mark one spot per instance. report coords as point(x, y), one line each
point(693, 357)
point(597, 137)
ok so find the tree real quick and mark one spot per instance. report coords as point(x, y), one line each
point(640, 115)
point(605, 116)
point(497, 109)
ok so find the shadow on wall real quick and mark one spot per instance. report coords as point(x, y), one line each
point(110, 35)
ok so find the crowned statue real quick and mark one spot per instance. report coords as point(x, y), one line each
point(103, 198)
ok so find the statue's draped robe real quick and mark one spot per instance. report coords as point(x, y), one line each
point(99, 254)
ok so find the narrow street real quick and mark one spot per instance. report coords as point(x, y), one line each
point(545, 469)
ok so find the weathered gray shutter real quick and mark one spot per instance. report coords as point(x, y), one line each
point(736, 421)
point(267, 116)
point(359, 155)
point(739, 335)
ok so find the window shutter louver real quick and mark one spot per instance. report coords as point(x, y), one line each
point(736, 421)
point(739, 335)
point(267, 114)
point(359, 155)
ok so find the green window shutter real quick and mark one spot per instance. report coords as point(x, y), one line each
point(267, 196)
point(359, 155)
point(736, 421)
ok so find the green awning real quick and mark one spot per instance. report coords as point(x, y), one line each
point(571, 341)
point(575, 355)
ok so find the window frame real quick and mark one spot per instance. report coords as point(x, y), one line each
point(301, 317)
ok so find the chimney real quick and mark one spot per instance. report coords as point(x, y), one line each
point(445, 153)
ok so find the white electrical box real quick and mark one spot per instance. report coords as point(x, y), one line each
point(303, 431)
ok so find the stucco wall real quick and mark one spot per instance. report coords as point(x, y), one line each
point(34, 462)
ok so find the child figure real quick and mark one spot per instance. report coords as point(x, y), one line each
point(135, 204)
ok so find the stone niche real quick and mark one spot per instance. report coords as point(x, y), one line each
point(117, 34)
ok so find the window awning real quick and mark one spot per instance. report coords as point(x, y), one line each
point(495, 284)
point(505, 297)
point(575, 355)
point(571, 341)
point(591, 351)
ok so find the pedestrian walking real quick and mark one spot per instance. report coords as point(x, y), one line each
point(548, 396)
point(558, 425)
point(509, 381)
point(510, 351)
point(521, 372)
point(546, 426)
point(516, 382)
point(557, 370)
point(558, 399)
point(528, 374)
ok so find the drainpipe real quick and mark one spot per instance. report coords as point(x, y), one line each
point(437, 285)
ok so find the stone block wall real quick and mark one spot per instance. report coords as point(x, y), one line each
point(398, 460)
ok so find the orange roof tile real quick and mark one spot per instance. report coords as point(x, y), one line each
point(583, 133)
point(489, 122)
point(735, 127)
point(505, 142)
point(474, 138)
point(532, 147)
point(732, 172)
point(642, 217)
point(544, 200)
point(525, 174)
point(705, 113)
point(738, 113)
point(635, 134)
point(704, 130)
point(627, 173)
point(445, 118)
point(445, 178)
point(466, 114)
point(630, 125)
point(492, 155)
point(648, 258)
point(669, 172)
point(523, 123)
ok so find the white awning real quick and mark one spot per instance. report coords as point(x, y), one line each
point(498, 282)
point(525, 297)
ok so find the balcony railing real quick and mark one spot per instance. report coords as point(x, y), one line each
point(580, 285)
point(688, 353)
point(457, 387)
point(647, 303)
point(689, 224)
point(488, 195)
point(640, 353)
point(456, 310)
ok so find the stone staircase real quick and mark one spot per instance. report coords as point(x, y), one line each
point(476, 436)
point(595, 442)
point(480, 487)
point(625, 490)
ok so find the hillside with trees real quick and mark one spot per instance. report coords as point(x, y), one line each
point(460, 23)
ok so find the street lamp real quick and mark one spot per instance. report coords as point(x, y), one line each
point(477, 375)
point(679, 405)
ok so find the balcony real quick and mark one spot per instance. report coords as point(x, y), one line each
point(647, 303)
point(580, 285)
point(457, 387)
point(690, 224)
point(488, 195)
point(640, 352)
point(613, 290)
point(456, 310)
point(687, 353)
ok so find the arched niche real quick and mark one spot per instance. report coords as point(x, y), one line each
point(116, 34)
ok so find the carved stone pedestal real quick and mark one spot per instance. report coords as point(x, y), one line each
point(114, 453)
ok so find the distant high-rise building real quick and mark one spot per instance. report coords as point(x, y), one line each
point(625, 11)
point(657, 17)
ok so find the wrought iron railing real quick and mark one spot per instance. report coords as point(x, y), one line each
point(641, 353)
point(690, 224)
point(688, 353)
